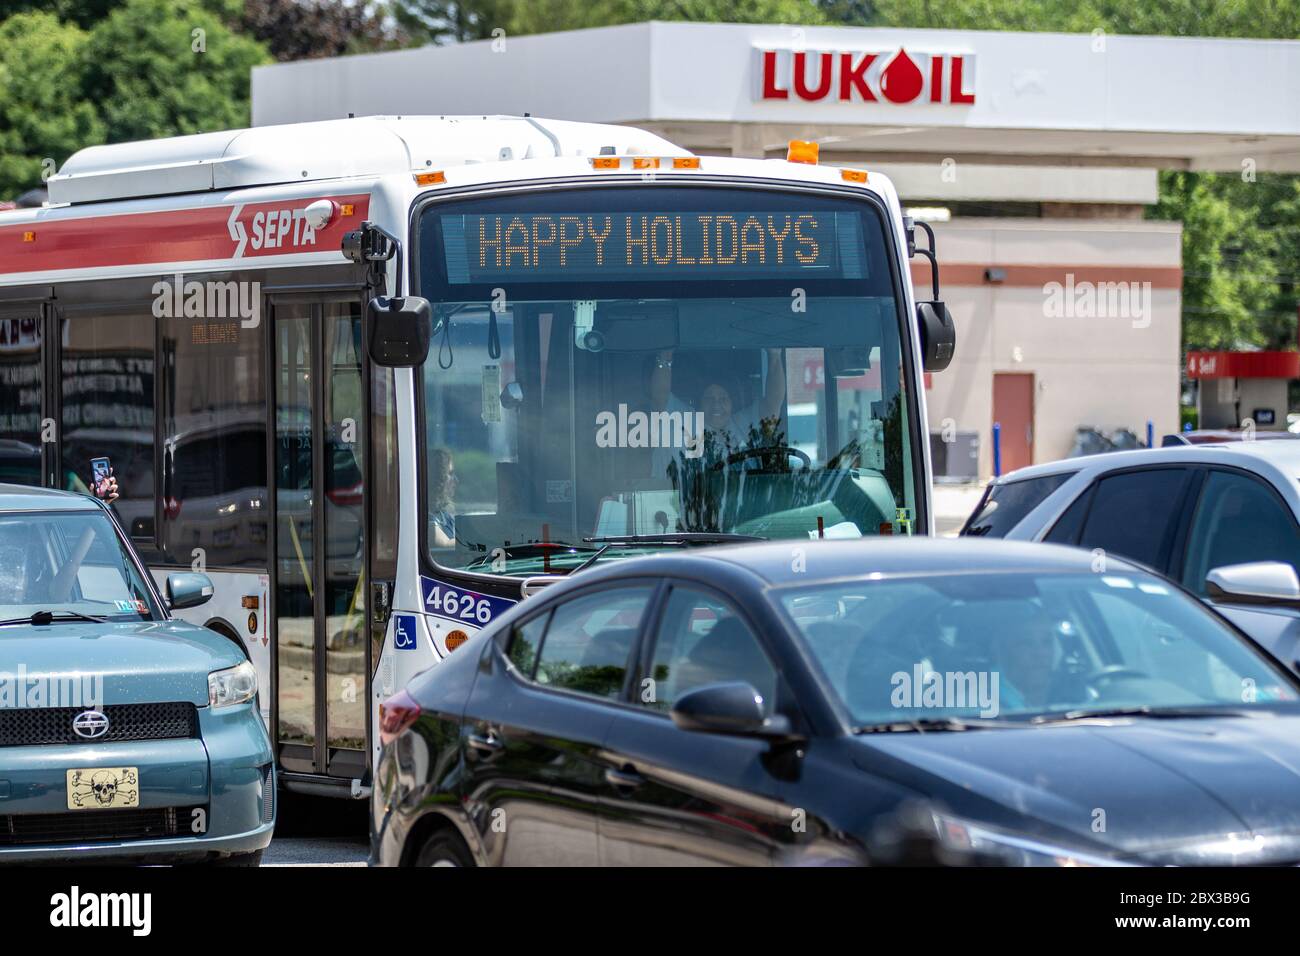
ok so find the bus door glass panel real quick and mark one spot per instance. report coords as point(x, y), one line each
point(295, 538)
point(344, 587)
point(20, 398)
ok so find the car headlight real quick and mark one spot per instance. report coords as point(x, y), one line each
point(234, 685)
point(1012, 850)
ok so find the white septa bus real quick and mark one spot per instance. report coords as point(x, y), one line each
point(381, 377)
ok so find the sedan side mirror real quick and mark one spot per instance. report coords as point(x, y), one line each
point(733, 708)
point(400, 330)
point(188, 589)
point(1256, 582)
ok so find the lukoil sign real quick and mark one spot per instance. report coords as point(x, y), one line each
point(897, 76)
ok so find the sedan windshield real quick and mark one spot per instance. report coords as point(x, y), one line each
point(1050, 646)
point(70, 564)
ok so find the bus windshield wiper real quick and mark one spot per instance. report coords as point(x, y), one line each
point(928, 724)
point(533, 549)
point(1157, 713)
point(677, 537)
point(42, 618)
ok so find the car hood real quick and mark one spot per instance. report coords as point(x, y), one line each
point(1211, 791)
point(147, 661)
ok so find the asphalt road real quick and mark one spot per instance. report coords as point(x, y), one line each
point(319, 832)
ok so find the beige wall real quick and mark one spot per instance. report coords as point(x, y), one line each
point(1095, 368)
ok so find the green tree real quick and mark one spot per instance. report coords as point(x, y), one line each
point(450, 21)
point(307, 29)
point(43, 112)
point(167, 68)
point(538, 16)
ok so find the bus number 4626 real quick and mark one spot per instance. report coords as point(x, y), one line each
point(457, 605)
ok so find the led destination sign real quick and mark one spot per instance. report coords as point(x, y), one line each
point(568, 247)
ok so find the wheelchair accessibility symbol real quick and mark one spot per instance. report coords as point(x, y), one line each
point(404, 632)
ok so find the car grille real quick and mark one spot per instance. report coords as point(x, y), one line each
point(268, 795)
point(95, 826)
point(35, 726)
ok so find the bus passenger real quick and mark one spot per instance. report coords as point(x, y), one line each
point(442, 490)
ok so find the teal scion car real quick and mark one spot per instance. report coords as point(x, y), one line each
point(125, 734)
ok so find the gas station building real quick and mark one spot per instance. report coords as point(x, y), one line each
point(1034, 156)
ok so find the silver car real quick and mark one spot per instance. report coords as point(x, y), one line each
point(1224, 520)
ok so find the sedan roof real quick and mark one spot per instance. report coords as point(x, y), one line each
point(26, 498)
point(792, 561)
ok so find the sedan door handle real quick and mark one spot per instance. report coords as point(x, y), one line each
point(625, 780)
point(486, 747)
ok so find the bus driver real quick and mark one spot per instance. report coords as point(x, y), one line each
point(729, 428)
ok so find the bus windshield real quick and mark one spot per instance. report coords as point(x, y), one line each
point(635, 363)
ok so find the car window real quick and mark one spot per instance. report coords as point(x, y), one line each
point(524, 643)
point(700, 641)
point(1022, 644)
point(589, 640)
point(1134, 514)
point(1239, 519)
point(1005, 505)
point(1067, 527)
point(68, 561)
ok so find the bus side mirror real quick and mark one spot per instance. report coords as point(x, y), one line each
point(938, 335)
point(400, 330)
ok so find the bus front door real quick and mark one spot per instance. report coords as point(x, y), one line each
point(320, 590)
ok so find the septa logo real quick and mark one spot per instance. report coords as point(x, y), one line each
point(900, 77)
point(279, 228)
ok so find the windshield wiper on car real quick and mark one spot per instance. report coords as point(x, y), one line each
point(928, 724)
point(42, 618)
point(677, 537)
point(1157, 713)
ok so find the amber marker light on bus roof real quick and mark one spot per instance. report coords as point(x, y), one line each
point(347, 209)
point(430, 179)
point(801, 151)
point(853, 175)
point(29, 237)
point(605, 162)
point(686, 162)
point(645, 162)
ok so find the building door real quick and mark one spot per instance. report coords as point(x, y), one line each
point(322, 657)
point(1013, 409)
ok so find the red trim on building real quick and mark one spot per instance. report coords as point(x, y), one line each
point(1243, 365)
point(974, 274)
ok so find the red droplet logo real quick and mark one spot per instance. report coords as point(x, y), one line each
point(901, 80)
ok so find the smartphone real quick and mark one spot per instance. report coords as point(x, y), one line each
point(99, 469)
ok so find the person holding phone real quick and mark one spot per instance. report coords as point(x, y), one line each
point(103, 483)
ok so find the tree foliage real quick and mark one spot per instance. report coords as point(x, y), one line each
point(307, 29)
point(169, 67)
point(44, 115)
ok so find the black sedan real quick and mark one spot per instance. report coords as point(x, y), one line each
point(778, 703)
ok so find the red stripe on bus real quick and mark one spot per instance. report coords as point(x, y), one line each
point(256, 230)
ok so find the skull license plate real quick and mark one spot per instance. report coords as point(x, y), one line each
point(103, 788)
